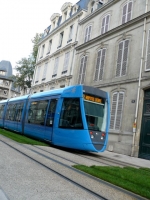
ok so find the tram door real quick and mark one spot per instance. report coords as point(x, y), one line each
point(50, 119)
point(144, 151)
point(18, 117)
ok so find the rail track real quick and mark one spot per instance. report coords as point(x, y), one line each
point(60, 162)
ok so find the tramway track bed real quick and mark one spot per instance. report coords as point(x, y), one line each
point(62, 167)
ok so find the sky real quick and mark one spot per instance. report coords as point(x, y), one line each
point(20, 20)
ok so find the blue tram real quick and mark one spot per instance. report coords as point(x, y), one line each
point(75, 117)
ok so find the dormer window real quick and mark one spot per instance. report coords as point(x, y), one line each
point(65, 16)
point(66, 9)
point(2, 73)
point(54, 20)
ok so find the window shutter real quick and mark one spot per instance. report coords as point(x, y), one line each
point(45, 70)
point(113, 110)
point(86, 35)
point(103, 26)
point(129, 11)
point(55, 66)
point(84, 69)
point(107, 23)
point(89, 33)
point(102, 64)
point(124, 14)
point(119, 61)
point(119, 110)
point(97, 65)
point(80, 71)
point(38, 73)
point(66, 61)
point(122, 58)
point(148, 53)
point(125, 57)
point(116, 111)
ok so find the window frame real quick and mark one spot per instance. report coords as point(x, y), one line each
point(87, 33)
point(126, 14)
point(105, 18)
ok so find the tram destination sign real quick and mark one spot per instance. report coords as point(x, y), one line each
point(92, 98)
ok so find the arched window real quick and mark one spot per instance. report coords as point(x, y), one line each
point(127, 12)
point(116, 110)
point(122, 58)
point(87, 33)
point(105, 24)
point(82, 70)
point(100, 65)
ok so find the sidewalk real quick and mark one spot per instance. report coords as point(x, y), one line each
point(127, 159)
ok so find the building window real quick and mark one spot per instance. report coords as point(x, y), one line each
point(127, 12)
point(55, 67)
point(87, 33)
point(92, 7)
point(38, 73)
point(147, 66)
point(45, 70)
point(66, 62)
point(42, 51)
point(100, 65)
point(3, 73)
point(122, 58)
point(49, 46)
point(116, 110)
point(105, 24)
point(82, 70)
point(70, 34)
point(60, 39)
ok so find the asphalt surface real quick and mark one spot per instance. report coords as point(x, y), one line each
point(21, 178)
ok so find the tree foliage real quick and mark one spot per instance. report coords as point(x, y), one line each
point(25, 66)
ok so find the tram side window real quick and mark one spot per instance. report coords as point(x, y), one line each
point(37, 112)
point(51, 112)
point(19, 110)
point(1, 110)
point(70, 116)
point(10, 114)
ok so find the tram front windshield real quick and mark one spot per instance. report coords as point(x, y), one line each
point(95, 115)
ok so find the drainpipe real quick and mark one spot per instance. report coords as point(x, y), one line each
point(139, 83)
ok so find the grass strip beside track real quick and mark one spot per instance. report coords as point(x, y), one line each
point(21, 138)
point(129, 178)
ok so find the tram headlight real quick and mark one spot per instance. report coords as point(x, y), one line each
point(92, 136)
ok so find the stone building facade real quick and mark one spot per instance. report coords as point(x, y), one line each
point(56, 53)
point(7, 90)
point(113, 54)
point(104, 44)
